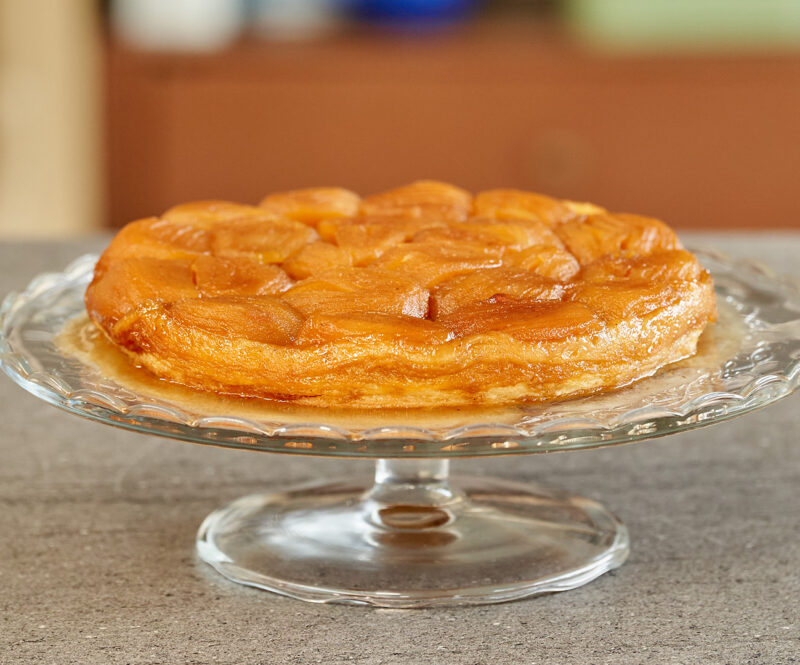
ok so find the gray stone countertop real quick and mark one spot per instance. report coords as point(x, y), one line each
point(97, 530)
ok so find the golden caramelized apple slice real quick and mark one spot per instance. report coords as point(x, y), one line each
point(265, 319)
point(216, 276)
point(657, 268)
point(365, 242)
point(594, 236)
point(312, 205)
point(359, 290)
point(322, 328)
point(522, 318)
point(581, 208)
point(620, 287)
point(478, 286)
point(315, 258)
point(207, 214)
point(127, 283)
point(513, 203)
point(545, 260)
point(621, 301)
point(367, 238)
point(516, 234)
point(327, 227)
point(158, 239)
point(425, 198)
point(432, 263)
point(331, 230)
point(263, 240)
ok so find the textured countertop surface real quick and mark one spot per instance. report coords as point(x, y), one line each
point(97, 530)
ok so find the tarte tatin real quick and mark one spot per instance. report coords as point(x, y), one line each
point(422, 296)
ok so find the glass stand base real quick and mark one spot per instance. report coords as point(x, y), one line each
point(411, 540)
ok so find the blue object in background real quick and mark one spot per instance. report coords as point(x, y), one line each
point(413, 12)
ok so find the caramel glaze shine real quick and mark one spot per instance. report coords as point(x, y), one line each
point(423, 296)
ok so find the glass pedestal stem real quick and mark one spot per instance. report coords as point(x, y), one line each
point(413, 483)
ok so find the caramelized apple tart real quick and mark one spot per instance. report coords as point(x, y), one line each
point(421, 296)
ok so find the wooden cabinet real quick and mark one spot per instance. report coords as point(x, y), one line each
point(708, 141)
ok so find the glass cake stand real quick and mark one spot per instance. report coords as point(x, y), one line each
point(408, 537)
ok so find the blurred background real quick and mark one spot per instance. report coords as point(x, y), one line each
point(688, 110)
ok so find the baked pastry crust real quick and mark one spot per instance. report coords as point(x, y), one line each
point(422, 296)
